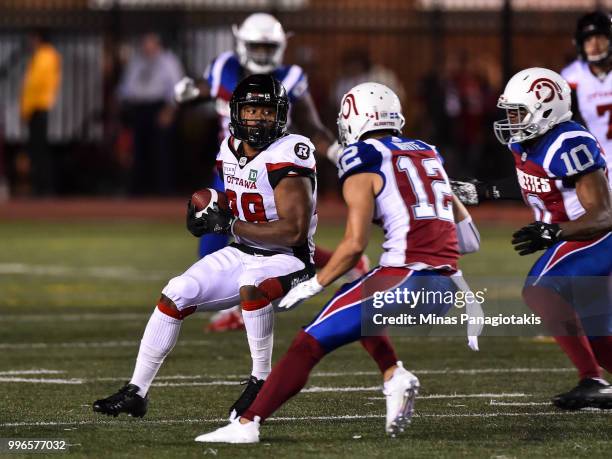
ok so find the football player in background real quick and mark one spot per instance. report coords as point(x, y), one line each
point(270, 183)
point(260, 45)
point(401, 184)
point(562, 176)
point(591, 80)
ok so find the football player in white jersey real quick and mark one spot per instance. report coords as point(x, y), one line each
point(260, 46)
point(270, 180)
point(590, 78)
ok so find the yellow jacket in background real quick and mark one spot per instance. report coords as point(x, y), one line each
point(41, 81)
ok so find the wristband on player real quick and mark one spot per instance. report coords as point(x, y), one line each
point(468, 236)
point(232, 224)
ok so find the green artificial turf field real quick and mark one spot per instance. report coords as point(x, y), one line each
point(74, 300)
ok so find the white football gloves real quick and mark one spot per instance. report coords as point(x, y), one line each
point(185, 90)
point(300, 292)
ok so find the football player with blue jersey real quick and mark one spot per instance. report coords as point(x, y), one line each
point(260, 45)
point(401, 184)
point(562, 177)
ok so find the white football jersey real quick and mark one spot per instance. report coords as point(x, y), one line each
point(250, 182)
point(595, 104)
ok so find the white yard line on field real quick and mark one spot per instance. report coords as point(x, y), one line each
point(94, 344)
point(474, 371)
point(5, 379)
point(38, 371)
point(117, 422)
point(222, 380)
point(198, 383)
point(443, 396)
point(126, 273)
point(354, 373)
point(496, 403)
point(98, 317)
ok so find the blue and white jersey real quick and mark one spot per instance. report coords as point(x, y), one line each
point(547, 170)
point(225, 72)
point(414, 206)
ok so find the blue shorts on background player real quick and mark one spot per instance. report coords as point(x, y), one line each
point(210, 243)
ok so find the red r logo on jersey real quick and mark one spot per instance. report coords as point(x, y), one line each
point(347, 105)
point(545, 89)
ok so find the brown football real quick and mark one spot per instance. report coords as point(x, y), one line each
point(206, 197)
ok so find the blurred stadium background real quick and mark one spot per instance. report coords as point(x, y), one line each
point(448, 58)
point(81, 266)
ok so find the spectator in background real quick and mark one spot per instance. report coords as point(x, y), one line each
point(146, 93)
point(465, 107)
point(457, 107)
point(39, 93)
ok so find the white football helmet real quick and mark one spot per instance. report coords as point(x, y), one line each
point(536, 99)
point(260, 43)
point(368, 107)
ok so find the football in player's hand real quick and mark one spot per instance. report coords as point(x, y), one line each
point(206, 198)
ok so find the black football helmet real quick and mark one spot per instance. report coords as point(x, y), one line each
point(595, 23)
point(259, 89)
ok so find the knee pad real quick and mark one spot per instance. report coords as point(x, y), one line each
point(183, 290)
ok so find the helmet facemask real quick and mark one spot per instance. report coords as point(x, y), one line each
point(261, 57)
point(259, 132)
point(346, 136)
point(518, 125)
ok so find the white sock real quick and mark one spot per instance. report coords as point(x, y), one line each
point(158, 340)
point(259, 326)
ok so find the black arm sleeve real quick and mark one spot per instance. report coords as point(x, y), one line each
point(505, 188)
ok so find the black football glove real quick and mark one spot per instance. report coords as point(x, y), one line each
point(196, 225)
point(473, 192)
point(536, 236)
point(219, 221)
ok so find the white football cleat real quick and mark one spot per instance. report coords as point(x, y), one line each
point(400, 392)
point(234, 432)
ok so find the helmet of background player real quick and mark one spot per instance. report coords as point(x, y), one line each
point(595, 23)
point(535, 100)
point(260, 43)
point(368, 107)
point(259, 90)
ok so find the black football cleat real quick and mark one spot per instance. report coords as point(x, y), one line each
point(126, 400)
point(253, 386)
point(589, 392)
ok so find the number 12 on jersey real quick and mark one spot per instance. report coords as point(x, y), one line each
point(435, 180)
